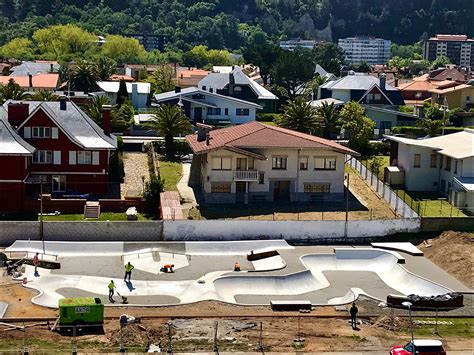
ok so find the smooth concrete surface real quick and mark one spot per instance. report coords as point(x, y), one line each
point(203, 271)
point(402, 246)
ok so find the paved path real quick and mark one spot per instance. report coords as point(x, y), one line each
point(186, 192)
point(136, 166)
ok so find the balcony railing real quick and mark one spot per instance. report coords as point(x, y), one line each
point(245, 175)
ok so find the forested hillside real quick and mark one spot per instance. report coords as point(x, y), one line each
point(232, 24)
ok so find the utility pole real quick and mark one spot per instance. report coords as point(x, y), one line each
point(216, 349)
point(347, 206)
point(41, 216)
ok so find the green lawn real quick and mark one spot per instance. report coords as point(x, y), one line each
point(430, 204)
point(460, 327)
point(170, 173)
point(384, 162)
point(270, 123)
point(105, 216)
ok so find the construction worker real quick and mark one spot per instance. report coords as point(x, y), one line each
point(128, 271)
point(36, 263)
point(353, 311)
point(111, 291)
point(237, 266)
point(168, 267)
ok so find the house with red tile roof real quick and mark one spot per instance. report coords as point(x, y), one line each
point(255, 162)
point(44, 81)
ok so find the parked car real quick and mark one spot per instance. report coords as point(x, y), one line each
point(419, 347)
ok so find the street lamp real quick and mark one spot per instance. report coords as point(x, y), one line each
point(409, 305)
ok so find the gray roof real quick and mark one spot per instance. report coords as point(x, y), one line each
point(356, 81)
point(79, 127)
point(10, 142)
point(33, 68)
point(218, 81)
point(170, 95)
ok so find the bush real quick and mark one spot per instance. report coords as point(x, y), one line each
point(180, 147)
point(415, 132)
point(153, 188)
point(116, 170)
point(268, 117)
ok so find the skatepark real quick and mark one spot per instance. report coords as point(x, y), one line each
point(270, 270)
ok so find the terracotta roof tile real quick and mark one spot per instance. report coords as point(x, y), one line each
point(46, 81)
point(259, 135)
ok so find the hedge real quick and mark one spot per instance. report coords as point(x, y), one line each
point(413, 131)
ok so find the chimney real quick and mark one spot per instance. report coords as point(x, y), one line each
point(106, 119)
point(231, 78)
point(383, 81)
point(18, 113)
point(30, 80)
point(51, 67)
point(62, 103)
point(203, 132)
point(177, 89)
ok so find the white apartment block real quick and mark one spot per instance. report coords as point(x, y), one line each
point(366, 49)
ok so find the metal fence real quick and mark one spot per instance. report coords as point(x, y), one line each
point(383, 190)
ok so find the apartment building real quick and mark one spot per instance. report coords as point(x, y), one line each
point(458, 48)
point(366, 49)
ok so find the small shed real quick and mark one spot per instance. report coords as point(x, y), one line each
point(394, 176)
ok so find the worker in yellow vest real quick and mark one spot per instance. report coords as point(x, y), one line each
point(111, 287)
point(128, 271)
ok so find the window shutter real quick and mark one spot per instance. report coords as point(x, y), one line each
point(27, 132)
point(57, 157)
point(54, 133)
point(72, 157)
point(95, 158)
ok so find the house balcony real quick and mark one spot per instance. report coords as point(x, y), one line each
point(246, 175)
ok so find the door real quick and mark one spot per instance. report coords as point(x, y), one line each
point(198, 114)
point(281, 190)
point(240, 190)
point(59, 183)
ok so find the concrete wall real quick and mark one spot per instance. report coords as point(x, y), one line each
point(82, 231)
point(290, 230)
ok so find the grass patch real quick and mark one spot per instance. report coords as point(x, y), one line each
point(170, 173)
point(429, 204)
point(270, 123)
point(461, 327)
point(105, 216)
point(384, 162)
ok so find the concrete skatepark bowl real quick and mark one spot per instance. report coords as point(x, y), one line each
point(204, 271)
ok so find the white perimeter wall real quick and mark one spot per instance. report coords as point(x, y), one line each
point(290, 230)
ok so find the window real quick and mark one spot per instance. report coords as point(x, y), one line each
point(241, 164)
point(303, 163)
point(242, 111)
point(468, 99)
point(261, 177)
point(279, 163)
point(455, 166)
point(43, 157)
point(221, 187)
point(317, 187)
point(212, 111)
point(322, 163)
point(84, 158)
point(221, 163)
point(41, 132)
point(417, 161)
point(226, 111)
point(40, 179)
point(433, 160)
point(237, 89)
point(448, 164)
point(59, 183)
point(377, 97)
point(204, 87)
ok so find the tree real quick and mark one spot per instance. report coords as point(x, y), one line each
point(292, 71)
point(83, 76)
point(313, 86)
point(359, 127)
point(299, 116)
point(123, 49)
point(19, 48)
point(44, 95)
point(434, 120)
point(11, 91)
point(264, 57)
point(106, 67)
point(122, 116)
point(163, 79)
point(329, 56)
point(122, 93)
point(62, 40)
point(440, 62)
point(170, 121)
point(94, 108)
point(363, 67)
point(328, 115)
point(203, 57)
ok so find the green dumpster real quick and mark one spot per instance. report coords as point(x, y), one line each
point(79, 311)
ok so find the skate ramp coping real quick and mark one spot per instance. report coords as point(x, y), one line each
point(239, 247)
point(67, 248)
point(404, 247)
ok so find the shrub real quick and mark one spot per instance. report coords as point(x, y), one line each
point(116, 169)
point(414, 131)
point(153, 188)
point(268, 117)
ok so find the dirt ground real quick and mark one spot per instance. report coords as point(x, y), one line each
point(454, 252)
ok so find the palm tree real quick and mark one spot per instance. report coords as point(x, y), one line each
point(106, 67)
point(44, 95)
point(328, 115)
point(84, 76)
point(299, 116)
point(169, 121)
point(11, 91)
point(94, 108)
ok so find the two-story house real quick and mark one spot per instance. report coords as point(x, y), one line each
point(57, 146)
point(444, 164)
point(254, 162)
point(235, 83)
point(208, 107)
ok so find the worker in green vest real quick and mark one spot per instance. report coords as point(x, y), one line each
point(111, 291)
point(128, 271)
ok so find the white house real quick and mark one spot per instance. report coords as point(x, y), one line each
point(207, 107)
point(254, 162)
point(138, 93)
point(444, 164)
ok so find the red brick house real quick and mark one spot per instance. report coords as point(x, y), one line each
point(54, 144)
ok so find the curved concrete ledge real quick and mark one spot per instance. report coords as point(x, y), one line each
point(408, 248)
